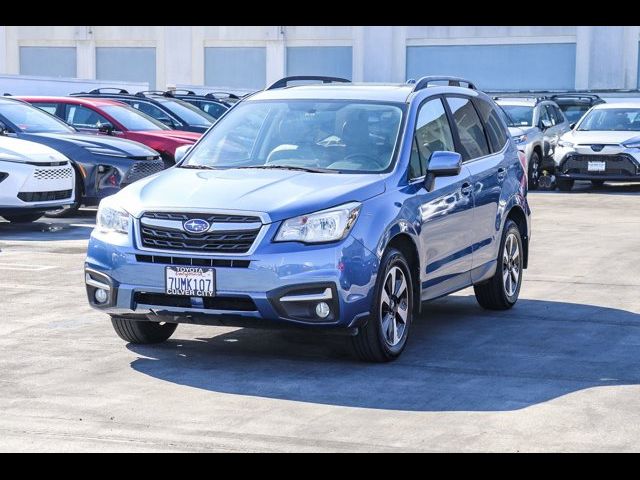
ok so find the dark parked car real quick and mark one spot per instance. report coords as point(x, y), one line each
point(215, 104)
point(172, 112)
point(574, 105)
point(103, 164)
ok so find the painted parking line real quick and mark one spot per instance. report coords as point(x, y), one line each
point(25, 268)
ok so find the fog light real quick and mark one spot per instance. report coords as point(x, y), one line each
point(323, 310)
point(101, 295)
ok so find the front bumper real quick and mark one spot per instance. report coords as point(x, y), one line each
point(249, 288)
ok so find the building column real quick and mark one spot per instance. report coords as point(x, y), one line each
point(378, 54)
point(12, 50)
point(3, 49)
point(276, 56)
point(197, 56)
point(86, 59)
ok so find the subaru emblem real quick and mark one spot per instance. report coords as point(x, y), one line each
point(196, 225)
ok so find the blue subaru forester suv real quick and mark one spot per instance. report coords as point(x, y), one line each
point(334, 206)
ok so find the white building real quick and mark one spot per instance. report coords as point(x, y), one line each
point(549, 57)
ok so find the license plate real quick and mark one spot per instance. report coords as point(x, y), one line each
point(596, 166)
point(190, 281)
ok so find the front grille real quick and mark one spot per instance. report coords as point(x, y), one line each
point(193, 262)
point(52, 173)
point(615, 165)
point(222, 241)
point(142, 169)
point(242, 304)
point(44, 196)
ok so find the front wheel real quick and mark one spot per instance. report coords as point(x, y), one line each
point(142, 331)
point(502, 290)
point(564, 184)
point(23, 217)
point(384, 336)
point(534, 171)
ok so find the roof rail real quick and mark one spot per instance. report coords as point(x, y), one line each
point(592, 96)
point(452, 82)
point(98, 91)
point(537, 98)
point(142, 93)
point(283, 82)
point(178, 90)
point(229, 95)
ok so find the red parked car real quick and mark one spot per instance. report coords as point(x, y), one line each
point(110, 117)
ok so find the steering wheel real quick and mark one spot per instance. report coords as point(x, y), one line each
point(367, 157)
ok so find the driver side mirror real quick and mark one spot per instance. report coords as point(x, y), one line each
point(572, 125)
point(442, 164)
point(544, 124)
point(181, 152)
point(3, 129)
point(106, 128)
point(168, 122)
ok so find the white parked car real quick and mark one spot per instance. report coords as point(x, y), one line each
point(604, 146)
point(33, 179)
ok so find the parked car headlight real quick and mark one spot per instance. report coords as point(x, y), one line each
point(324, 226)
point(106, 152)
point(112, 219)
point(565, 144)
point(520, 139)
point(632, 144)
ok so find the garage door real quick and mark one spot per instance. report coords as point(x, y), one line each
point(511, 67)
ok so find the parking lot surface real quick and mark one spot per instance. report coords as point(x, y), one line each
point(561, 371)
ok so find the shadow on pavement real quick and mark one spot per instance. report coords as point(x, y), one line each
point(607, 188)
point(77, 227)
point(459, 358)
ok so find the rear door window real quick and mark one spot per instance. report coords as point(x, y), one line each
point(470, 130)
point(82, 117)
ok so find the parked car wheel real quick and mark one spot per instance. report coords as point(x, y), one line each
point(142, 331)
point(534, 171)
point(502, 290)
point(23, 217)
point(384, 336)
point(564, 184)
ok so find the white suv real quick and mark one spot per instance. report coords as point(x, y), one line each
point(33, 179)
point(604, 146)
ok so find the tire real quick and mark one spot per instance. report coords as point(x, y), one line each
point(533, 174)
point(142, 331)
point(23, 217)
point(564, 184)
point(384, 337)
point(499, 293)
point(597, 183)
point(69, 210)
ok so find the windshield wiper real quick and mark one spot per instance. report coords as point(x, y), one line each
point(198, 167)
point(289, 167)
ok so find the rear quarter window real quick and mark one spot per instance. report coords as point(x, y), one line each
point(494, 126)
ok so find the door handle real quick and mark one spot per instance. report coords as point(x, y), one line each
point(466, 188)
point(502, 172)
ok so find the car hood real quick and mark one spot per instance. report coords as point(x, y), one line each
point(120, 145)
point(180, 135)
point(16, 150)
point(279, 193)
point(599, 137)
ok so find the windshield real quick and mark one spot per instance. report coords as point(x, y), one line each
point(329, 135)
point(573, 112)
point(521, 115)
point(190, 114)
point(612, 119)
point(133, 119)
point(31, 119)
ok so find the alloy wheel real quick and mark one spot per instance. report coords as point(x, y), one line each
point(394, 306)
point(511, 265)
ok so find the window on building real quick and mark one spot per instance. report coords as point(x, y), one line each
point(329, 61)
point(128, 64)
point(48, 61)
point(235, 67)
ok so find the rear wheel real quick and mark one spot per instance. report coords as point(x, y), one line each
point(23, 217)
point(534, 171)
point(384, 336)
point(501, 292)
point(564, 184)
point(142, 331)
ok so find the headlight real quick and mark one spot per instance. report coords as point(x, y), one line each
point(325, 226)
point(520, 139)
point(632, 144)
point(106, 152)
point(112, 219)
point(565, 144)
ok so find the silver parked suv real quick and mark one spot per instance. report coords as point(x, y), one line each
point(535, 124)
